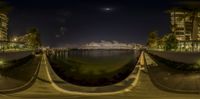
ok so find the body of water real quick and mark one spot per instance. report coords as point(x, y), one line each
point(94, 67)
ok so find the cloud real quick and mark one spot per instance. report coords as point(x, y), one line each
point(57, 36)
point(63, 15)
point(63, 30)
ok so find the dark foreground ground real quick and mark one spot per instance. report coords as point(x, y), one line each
point(44, 88)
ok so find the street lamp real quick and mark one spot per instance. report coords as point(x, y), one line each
point(15, 39)
point(1, 62)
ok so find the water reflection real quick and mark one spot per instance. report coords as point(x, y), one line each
point(94, 67)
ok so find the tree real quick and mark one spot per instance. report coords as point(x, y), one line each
point(161, 43)
point(171, 42)
point(152, 40)
point(33, 38)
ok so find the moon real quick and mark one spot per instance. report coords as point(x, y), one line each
point(107, 9)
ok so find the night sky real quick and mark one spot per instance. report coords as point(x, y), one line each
point(62, 22)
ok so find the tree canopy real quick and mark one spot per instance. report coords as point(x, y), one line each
point(152, 40)
point(171, 42)
point(33, 38)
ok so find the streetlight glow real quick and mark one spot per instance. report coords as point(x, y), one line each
point(15, 39)
point(1, 62)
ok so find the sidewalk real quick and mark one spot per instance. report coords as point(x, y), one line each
point(9, 56)
point(18, 78)
point(170, 79)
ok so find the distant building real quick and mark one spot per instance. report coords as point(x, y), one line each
point(22, 41)
point(22, 38)
point(185, 24)
point(3, 27)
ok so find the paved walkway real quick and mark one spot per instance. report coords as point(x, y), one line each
point(8, 56)
point(19, 77)
point(184, 57)
point(173, 80)
point(145, 89)
point(40, 89)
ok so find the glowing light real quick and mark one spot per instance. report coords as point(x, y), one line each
point(15, 39)
point(1, 62)
point(107, 9)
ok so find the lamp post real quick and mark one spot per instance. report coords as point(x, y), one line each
point(15, 39)
point(14, 42)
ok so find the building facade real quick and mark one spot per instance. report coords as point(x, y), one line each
point(185, 24)
point(3, 27)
